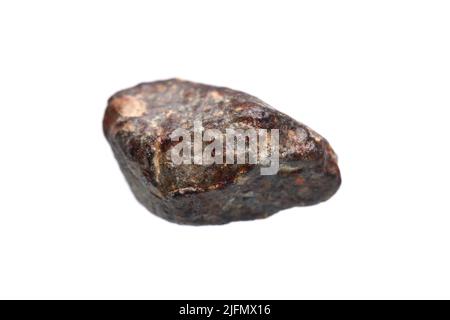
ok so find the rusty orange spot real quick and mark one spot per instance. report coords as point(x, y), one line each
point(299, 181)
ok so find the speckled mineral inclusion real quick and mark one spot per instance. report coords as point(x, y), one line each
point(139, 122)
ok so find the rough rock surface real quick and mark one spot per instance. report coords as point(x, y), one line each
point(138, 122)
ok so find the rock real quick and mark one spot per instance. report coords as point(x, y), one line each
point(160, 133)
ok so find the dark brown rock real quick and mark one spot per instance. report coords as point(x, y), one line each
point(139, 121)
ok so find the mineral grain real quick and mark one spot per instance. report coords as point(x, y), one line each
point(139, 123)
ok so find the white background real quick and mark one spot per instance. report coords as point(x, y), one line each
point(373, 77)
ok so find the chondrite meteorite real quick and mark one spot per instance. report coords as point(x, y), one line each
point(201, 155)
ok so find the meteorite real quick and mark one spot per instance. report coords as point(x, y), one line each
point(204, 155)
